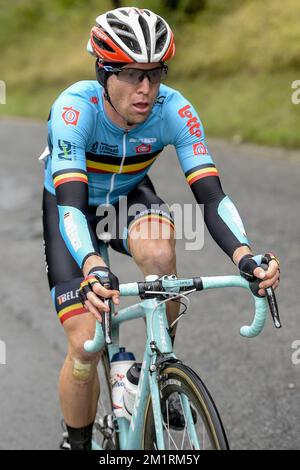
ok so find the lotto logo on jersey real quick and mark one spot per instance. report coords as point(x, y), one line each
point(193, 122)
point(143, 148)
point(70, 116)
point(199, 149)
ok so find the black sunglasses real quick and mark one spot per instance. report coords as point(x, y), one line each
point(134, 76)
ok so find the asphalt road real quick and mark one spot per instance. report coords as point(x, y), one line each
point(254, 382)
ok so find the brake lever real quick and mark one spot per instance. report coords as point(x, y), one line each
point(106, 324)
point(273, 307)
point(271, 298)
point(106, 319)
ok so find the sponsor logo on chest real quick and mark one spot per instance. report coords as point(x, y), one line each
point(143, 148)
point(105, 149)
point(144, 140)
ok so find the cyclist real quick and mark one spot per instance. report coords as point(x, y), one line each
point(103, 137)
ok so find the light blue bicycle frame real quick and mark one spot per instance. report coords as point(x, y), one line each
point(130, 432)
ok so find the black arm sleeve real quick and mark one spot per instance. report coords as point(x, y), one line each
point(224, 230)
point(74, 194)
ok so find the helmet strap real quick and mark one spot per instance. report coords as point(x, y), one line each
point(102, 77)
point(107, 97)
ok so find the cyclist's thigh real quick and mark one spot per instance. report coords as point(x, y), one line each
point(64, 275)
point(143, 205)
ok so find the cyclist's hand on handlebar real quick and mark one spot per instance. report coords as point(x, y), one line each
point(98, 285)
point(250, 269)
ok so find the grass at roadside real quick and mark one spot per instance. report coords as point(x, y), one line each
point(235, 61)
point(246, 108)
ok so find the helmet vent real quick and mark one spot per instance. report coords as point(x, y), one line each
point(125, 33)
point(102, 44)
point(146, 32)
point(161, 34)
point(131, 43)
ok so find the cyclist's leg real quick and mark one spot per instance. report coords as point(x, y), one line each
point(79, 384)
point(148, 236)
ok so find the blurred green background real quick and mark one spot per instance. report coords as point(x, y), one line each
point(235, 59)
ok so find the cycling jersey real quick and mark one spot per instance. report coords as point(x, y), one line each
point(87, 150)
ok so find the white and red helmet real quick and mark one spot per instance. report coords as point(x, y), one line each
point(128, 34)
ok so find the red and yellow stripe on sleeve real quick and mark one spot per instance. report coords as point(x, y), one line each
point(67, 176)
point(201, 171)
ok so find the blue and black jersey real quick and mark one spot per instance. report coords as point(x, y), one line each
point(92, 161)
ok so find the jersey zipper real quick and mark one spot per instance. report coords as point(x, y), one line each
point(112, 181)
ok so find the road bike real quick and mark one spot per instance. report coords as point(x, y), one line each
point(163, 377)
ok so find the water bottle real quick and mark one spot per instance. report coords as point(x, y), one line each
point(130, 388)
point(120, 363)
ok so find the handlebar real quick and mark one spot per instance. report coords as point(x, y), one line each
point(157, 287)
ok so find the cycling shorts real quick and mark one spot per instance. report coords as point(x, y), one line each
point(64, 275)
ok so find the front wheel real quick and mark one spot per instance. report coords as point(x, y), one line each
point(198, 424)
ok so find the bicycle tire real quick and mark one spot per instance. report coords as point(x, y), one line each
point(104, 407)
point(181, 379)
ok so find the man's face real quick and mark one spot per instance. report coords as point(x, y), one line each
point(133, 102)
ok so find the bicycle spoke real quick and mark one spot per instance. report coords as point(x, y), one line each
point(167, 405)
point(168, 431)
point(185, 427)
point(183, 437)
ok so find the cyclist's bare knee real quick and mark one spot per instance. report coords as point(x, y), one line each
point(84, 365)
point(157, 255)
